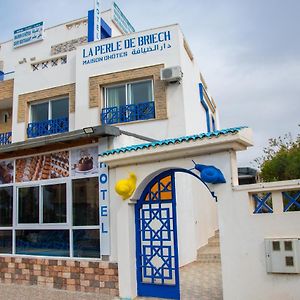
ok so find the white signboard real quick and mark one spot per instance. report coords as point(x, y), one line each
point(121, 20)
point(97, 27)
point(27, 35)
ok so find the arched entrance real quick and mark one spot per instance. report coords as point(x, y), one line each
point(156, 237)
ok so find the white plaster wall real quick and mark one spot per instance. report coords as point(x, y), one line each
point(194, 112)
point(196, 216)
point(174, 126)
point(52, 36)
point(243, 255)
point(121, 212)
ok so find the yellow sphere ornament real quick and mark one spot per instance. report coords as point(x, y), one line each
point(126, 187)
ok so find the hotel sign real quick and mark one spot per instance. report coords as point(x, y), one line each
point(140, 44)
point(29, 34)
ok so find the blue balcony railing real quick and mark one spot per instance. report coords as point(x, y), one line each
point(5, 138)
point(128, 113)
point(47, 127)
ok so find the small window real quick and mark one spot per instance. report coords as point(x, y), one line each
point(288, 246)
point(86, 243)
point(116, 96)
point(85, 201)
point(29, 205)
point(54, 203)
point(276, 246)
point(130, 93)
point(6, 241)
point(289, 261)
point(6, 206)
point(50, 110)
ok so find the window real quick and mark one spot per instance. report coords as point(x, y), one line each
point(130, 93)
point(128, 102)
point(50, 110)
point(49, 118)
point(51, 198)
point(42, 242)
point(6, 206)
point(85, 201)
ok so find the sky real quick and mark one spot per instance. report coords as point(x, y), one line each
point(247, 50)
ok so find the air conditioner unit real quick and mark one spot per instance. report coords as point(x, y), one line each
point(282, 255)
point(172, 74)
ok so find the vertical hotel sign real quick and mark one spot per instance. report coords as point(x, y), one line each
point(97, 27)
point(104, 209)
point(29, 34)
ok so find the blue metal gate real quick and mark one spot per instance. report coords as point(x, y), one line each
point(156, 236)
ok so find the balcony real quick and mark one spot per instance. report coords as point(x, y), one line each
point(128, 113)
point(5, 138)
point(48, 127)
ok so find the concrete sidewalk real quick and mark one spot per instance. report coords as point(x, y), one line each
point(25, 292)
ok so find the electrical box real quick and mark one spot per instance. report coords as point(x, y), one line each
point(172, 74)
point(282, 255)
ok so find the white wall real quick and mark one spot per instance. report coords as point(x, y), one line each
point(242, 245)
point(121, 213)
point(196, 216)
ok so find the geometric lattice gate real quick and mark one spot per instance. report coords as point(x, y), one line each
point(156, 236)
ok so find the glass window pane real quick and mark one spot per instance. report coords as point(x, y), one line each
point(6, 241)
point(39, 112)
point(86, 243)
point(6, 206)
point(116, 96)
point(60, 108)
point(141, 92)
point(54, 203)
point(42, 242)
point(85, 201)
point(29, 205)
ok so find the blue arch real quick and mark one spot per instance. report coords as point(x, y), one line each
point(168, 172)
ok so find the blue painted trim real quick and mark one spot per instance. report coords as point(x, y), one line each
point(213, 123)
point(106, 31)
point(261, 203)
point(292, 200)
point(205, 106)
point(91, 25)
point(173, 141)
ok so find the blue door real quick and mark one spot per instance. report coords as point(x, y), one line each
point(156, 236)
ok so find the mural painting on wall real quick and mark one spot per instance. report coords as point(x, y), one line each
point(84, 161)
point(42, 167)
point(6, 172)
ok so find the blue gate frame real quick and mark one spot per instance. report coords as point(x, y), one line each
point(156, 239)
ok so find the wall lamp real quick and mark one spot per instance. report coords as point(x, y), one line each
point(88, 130)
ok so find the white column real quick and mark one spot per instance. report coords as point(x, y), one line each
point(126, 251)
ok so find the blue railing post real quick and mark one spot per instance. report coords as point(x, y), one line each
point(48, 127)
point(128, 113)
point(5, 138)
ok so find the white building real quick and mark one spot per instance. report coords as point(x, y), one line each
point(138, 101)
point(54, 83)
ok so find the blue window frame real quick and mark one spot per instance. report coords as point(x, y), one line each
point(205, 106)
